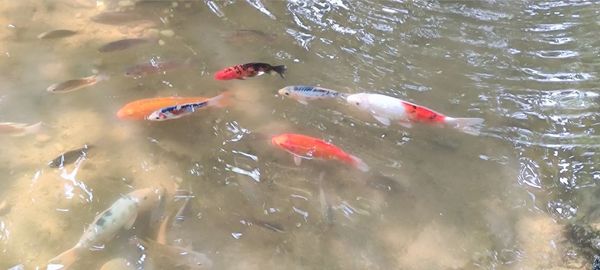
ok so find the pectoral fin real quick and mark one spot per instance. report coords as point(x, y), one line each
point(302, 101)
point(130, 222)
point(297, 160)
point(405, 124)
point(384, 120)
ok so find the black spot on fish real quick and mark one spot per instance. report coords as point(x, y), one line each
point(100, 221)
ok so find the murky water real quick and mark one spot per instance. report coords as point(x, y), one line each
point(435, 198)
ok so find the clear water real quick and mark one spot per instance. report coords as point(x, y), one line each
point(434, 199)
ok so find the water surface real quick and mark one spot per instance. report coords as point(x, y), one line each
point(435, 198)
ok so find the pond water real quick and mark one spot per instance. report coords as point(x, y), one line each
point(434, 198)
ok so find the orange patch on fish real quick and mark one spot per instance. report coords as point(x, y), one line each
point(141, 109)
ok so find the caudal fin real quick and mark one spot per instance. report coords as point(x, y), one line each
point(221, 101)
point(467, 125)
point(359, 164)
point(280, 70)
point(65, 259)
point(33, 128)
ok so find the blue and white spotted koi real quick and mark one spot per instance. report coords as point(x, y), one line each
point(120, 215)
point(304, 93)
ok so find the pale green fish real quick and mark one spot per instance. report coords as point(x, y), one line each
point(120, 215)
point(76, 84)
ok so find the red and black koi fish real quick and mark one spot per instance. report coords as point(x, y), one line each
point(248, 70)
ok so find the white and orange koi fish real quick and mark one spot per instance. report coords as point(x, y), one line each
point(386, 110)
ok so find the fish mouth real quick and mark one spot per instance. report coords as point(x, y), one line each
point(278, 140)
point(123, 114)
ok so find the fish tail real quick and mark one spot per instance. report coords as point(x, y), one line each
point(221, 101)
point(280, 70)
point(359, 164)
point(33, 128)
point(67, 258)
point(467, 125)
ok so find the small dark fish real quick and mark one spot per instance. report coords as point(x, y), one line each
point(153, 67)
point(60, 33)
point(117, 18)
point(243, 36)
point(122, 44)
point(76, 84)
point(69, 157)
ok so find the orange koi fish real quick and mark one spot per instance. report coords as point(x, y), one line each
point(306, 147)
point(243, 71)
point(386, 109)
point(166, 108)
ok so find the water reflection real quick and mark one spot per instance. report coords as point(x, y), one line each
point(503, 198)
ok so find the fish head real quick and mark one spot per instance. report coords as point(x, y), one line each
point(147, 198)
point(280, 140)
point(126, 113)
point(286, 91)
point(157, 116)
point(359, 100)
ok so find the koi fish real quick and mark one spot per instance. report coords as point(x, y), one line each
point(120, 215)
point(166, 256)
point(386, 109)
point(166, 108)
point(305, 147)
point(69, 157)
point(19, 129)
point(60, 33)
point(244, 36)
point(76, 84)
point(303, 93)
point(244, 71)
point(122, 44)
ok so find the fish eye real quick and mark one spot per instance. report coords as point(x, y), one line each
point(357, 103)
point(287, 93)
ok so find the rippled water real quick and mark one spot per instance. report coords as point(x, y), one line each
point(434, 198)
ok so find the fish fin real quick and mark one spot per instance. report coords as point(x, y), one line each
point(302, 101)
point(405, 124)
point(102, 77)
point(280, 70)
point(33, 128)
point(221, 101)
point(384, 120)
point(130, 222)
point(297, 160)
point(470, 126)
point(359, 164)
point(64, 260)
point(241, 78)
